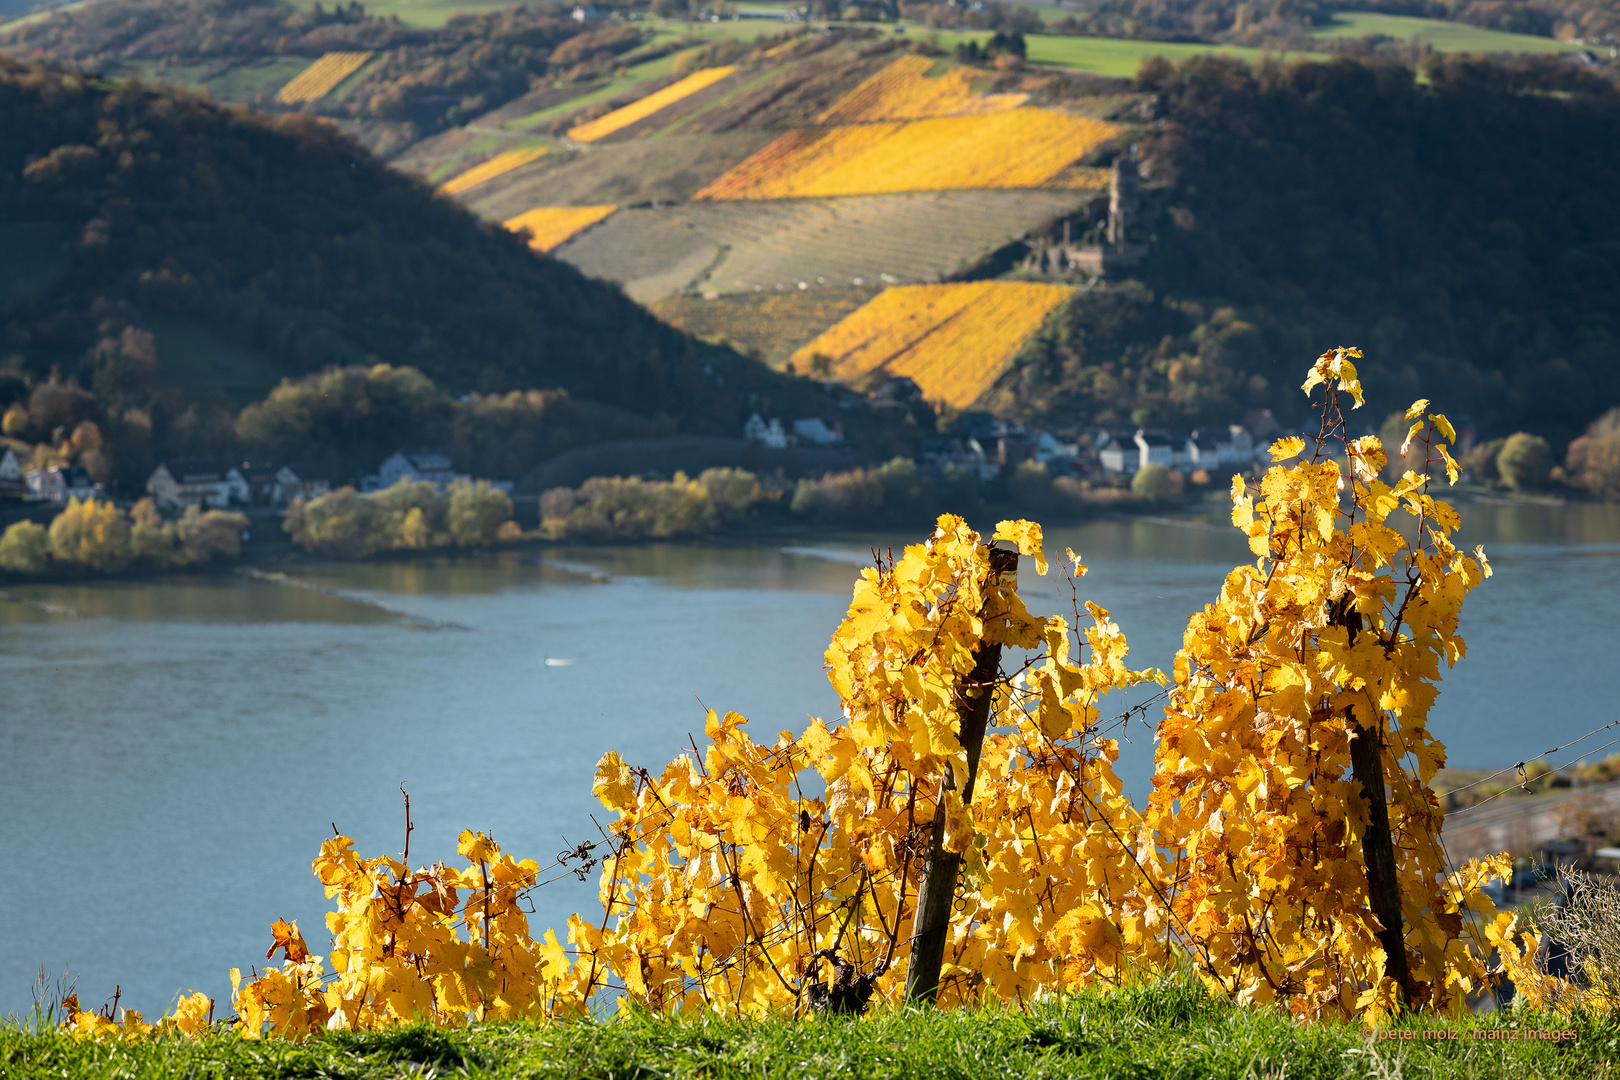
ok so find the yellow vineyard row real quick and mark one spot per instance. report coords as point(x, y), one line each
point(903, 91)
point(953, 341)
point(495, 166)
point(550, 226)
point(321, 77)
point(1016, 149)
point(640, 110)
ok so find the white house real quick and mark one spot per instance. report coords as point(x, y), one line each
point(1205, 450)
point(427, 466)
point(252, 484)
point(1116, 454)
point(1054, 453)
point(175, 485)
point(299, 482)
point(817, 433)
point(11, 473)
point(1155, 448)
point(59, 483)
point(1240, 446)
point(771, 434)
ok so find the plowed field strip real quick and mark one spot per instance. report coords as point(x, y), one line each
point(893, 238)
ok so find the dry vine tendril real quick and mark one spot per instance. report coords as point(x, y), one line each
point(784, 875)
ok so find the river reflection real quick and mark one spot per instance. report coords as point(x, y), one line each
point(172, 752)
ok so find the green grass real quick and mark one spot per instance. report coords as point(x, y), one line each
point(1441, 35)
point(1169, 1029)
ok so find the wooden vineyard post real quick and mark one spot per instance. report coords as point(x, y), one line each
point(1378, 843)
point(936, 888)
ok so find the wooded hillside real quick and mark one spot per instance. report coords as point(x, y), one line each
point(1464, 232)
point(164, 261)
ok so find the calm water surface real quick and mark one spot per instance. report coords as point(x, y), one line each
point(173, 753)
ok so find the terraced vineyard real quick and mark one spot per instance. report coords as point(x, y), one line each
point(549, 226)
point(1023, 148)
point(768, 325)
point(775, 246)
point(664, 170)
point(769, 199)
point(650, 254)
point(954, 341)
point(911, 89)
point(322, 77)
point(489, 170)
point(647, 106)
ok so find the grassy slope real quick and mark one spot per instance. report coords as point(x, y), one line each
point(1442, 36)
point(1169, 1029)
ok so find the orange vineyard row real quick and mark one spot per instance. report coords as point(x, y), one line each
point(1017, 149)
point(640, 110)
point(903, 91)
point(953, 341)
point(322, 77)
point(551, 226)
point(489, 170)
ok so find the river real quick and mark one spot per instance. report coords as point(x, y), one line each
point(173, 751)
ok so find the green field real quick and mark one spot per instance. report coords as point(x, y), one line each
point(425, 13)
point(1118, 57)
point(1439, 35)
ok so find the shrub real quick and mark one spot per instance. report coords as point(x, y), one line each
point(1524, 461)
point(628, 508)
point(151, 539)
point(411, 514)
point(838, 495)
point(1480, 462)
point(340, 523)
point(24, 548)
point(1593, 461)
point(733, 491)
point(477, 512)
point(205, 535)
point(91, 534)
point(1152, 483)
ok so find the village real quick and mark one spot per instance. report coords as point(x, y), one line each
point(985, 448)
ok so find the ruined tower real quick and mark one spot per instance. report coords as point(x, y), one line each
point(1123, 195)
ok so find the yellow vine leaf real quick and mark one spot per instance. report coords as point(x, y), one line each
point(1285, 448)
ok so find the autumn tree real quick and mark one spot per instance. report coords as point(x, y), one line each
point(92, 534)
point(1524, 462)
point(24, 548)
